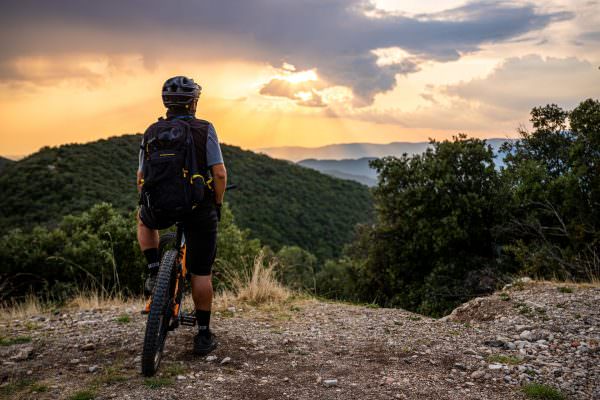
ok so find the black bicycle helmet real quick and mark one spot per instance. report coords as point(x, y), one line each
point(180, 91)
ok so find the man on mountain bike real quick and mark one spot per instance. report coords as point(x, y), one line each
point(180, 97)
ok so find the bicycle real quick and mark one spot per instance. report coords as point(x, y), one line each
point(164, 308)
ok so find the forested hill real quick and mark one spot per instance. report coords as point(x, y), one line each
point(4, 162)
point(281, 203)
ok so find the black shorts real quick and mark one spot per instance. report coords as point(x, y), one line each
point(200, 229)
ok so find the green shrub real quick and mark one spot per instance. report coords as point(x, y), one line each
point(538, 391)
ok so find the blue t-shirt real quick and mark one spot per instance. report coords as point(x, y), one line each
point(213, 150)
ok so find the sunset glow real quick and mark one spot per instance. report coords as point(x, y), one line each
point(359, 72)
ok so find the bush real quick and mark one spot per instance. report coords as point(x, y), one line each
point(298, 268)
point(96, 249)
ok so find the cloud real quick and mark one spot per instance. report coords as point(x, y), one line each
point(337, 37)
point(284, 88)
point(593, 36)
point(524, 82)
point(497, 103)
point(46, 72)
point(304, 93)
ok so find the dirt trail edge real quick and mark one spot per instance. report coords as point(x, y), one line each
point(486, 349)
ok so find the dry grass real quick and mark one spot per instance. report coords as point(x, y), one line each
point(26, 308)
point(86, 300)
point(258, 286)
point(255, 287)
point(569, 283)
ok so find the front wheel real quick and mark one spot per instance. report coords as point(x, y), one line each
point(160, 314)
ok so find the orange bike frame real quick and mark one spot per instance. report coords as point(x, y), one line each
point(180, 274)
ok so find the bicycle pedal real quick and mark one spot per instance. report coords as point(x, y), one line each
point(187, 319)
point(146, 309)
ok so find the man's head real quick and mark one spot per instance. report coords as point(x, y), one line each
point(180, 93)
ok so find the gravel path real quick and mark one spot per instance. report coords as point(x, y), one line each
point(486, 349)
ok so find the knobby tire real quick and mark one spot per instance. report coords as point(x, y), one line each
point(159, 316)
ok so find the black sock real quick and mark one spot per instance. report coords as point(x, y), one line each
point(203, 321)
point(152, 258)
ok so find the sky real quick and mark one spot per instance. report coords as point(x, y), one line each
point(292, 72)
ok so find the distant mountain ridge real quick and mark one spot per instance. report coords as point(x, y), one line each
point(344, 151)
point(355, 170)
point(358, 169)
point(355, 150)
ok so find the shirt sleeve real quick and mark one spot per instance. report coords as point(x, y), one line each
point(141, 157)
point(213, 149)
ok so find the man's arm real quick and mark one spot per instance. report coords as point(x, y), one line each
point(214, 159)
point(219, 174)
point(139, 180)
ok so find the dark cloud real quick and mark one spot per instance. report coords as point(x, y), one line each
point(334, 36)
point(590, 36)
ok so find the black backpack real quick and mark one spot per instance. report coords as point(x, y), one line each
point(172, 184)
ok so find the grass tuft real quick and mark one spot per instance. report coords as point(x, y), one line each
point(15, 386)
point(175, 369)
point(259, 286)
point(83, 395)
point(565, 289)
point(503, 359)
point(157, 382)
point(538, 391)
point(31, 305)
point(123, 319)
point(9, 341)
point(38, 388)
point(94, 299)
point(504, 296)
point(110, 375)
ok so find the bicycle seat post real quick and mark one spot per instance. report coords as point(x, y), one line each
point(179, 235)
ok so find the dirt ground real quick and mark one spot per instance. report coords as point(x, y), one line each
point(307, 349)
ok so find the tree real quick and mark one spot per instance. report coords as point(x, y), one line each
point(436, 219)
point(298, 268)
point(554, 173)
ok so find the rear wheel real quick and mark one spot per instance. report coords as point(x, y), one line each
point(160, 314)
point(167, 241)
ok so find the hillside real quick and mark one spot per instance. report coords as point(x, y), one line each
point(4, 162)
point(281, 203)
point(492, 348)
point(356, 170)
